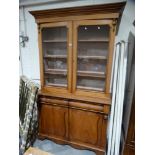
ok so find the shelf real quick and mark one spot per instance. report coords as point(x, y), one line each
point(95, 40)
point(91, 74)
point(90, 88)
point(58, 85)
point(54, 41)
point(55, 56)
point(56, 71)
point(93, 57)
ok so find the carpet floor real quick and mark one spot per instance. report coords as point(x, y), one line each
point(56, 149)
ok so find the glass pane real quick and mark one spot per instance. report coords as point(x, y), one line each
point(90, 83)
point(54, 41)
point(55, 80)
point(93, 44)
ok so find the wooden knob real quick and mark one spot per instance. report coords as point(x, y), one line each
point(105, 117)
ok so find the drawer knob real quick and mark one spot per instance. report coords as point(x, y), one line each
point(105, 117)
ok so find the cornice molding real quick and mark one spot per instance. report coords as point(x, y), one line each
point(82, 10)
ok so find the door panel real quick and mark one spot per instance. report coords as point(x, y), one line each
point(92, 50)
point(60, 121)
point(46, 120)
point(55, 55)
point(85, 127)
point(104, 132)
point(54, 121)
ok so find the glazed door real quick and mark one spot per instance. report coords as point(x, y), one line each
point(55, 56)
point(93, 41)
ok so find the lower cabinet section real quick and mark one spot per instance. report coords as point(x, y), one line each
point(82, 125)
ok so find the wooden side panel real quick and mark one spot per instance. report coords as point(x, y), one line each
point(60, 122)
point(129, 150)
point(104, 132)
point(84, 126)
point(45, 125)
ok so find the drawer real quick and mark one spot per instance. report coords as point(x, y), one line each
point(53, 101)
point(90, 107)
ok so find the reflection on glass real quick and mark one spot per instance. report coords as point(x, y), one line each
point(93, 43)
point(54, 42)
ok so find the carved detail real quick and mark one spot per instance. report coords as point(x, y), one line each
point(114, 23)
point(105, 117)
point(39, 28)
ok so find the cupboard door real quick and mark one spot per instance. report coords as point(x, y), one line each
point(56, 42)
point(86, 128)
point(92, 55)
point(45, 125)
point(54, 121)
point(60, 122)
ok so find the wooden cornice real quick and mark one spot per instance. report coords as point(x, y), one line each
point(82, 10)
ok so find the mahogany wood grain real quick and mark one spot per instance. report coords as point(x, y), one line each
point(106, 99)
point(86, 106)
point(110, 55)
point(60, 122)
point(46, 120)
point(85, 10)
point(81, 124)
point(85, 130)
point(72, 115)
point(40, 57)
point(78, 17)
point(54, 121)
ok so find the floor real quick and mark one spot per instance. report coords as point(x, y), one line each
point(57, 149)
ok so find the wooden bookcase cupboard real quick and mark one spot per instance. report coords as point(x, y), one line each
point(76, 51)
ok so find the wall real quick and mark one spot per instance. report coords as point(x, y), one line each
point(29, 55)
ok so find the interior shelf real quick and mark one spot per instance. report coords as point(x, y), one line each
point(93, 40)
point(55, 56)
point(54, 41)
point(90, 88)
point(58, 85)
point(92, 57)
point(56, 71)
point(91, 74)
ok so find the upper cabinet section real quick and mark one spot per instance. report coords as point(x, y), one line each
point(76, 48)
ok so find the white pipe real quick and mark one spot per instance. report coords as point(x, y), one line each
point(121, 102)
point(119, 88)
point(116, 58)
point(116, 105)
